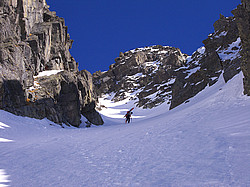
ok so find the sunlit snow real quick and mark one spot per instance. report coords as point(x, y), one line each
point(232, 52)
point(48, 73)
point(205, 142)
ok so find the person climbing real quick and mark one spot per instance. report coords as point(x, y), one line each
point(128, 115)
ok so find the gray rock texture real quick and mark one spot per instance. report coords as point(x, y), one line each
point(242, 15)
point(144, 74)
point(34, 40)
point(219, 56)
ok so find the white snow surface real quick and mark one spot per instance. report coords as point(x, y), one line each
point(205, 142)
point(48, 73)
point(229, 53)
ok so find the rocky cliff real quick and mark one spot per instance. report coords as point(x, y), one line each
point(242, 16)
point(220, 55)
point(38, 76)
point(144, 74)
point(153, 75)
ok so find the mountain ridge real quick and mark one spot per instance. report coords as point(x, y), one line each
point(174, 83)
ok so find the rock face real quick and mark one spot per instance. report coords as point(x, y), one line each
point(38, 76)
point(143, 74)
point(242, 15)
point(219, 56)
point(157, 74)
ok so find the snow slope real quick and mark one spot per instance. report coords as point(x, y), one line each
point(205, 142)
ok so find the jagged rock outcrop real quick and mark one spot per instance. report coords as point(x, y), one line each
point(157, 74)
point(143, 74)
point(35, 42)
point(220, 55)
point(242, 15)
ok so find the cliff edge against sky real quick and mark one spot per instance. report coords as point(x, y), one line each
point(38, 76)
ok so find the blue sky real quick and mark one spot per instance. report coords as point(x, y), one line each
point(101, 29)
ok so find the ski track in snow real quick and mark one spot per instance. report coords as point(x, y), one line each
point(205, 142)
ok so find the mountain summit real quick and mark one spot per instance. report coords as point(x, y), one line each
point(144, 74)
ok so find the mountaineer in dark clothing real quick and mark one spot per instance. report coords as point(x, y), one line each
point(128, 115)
